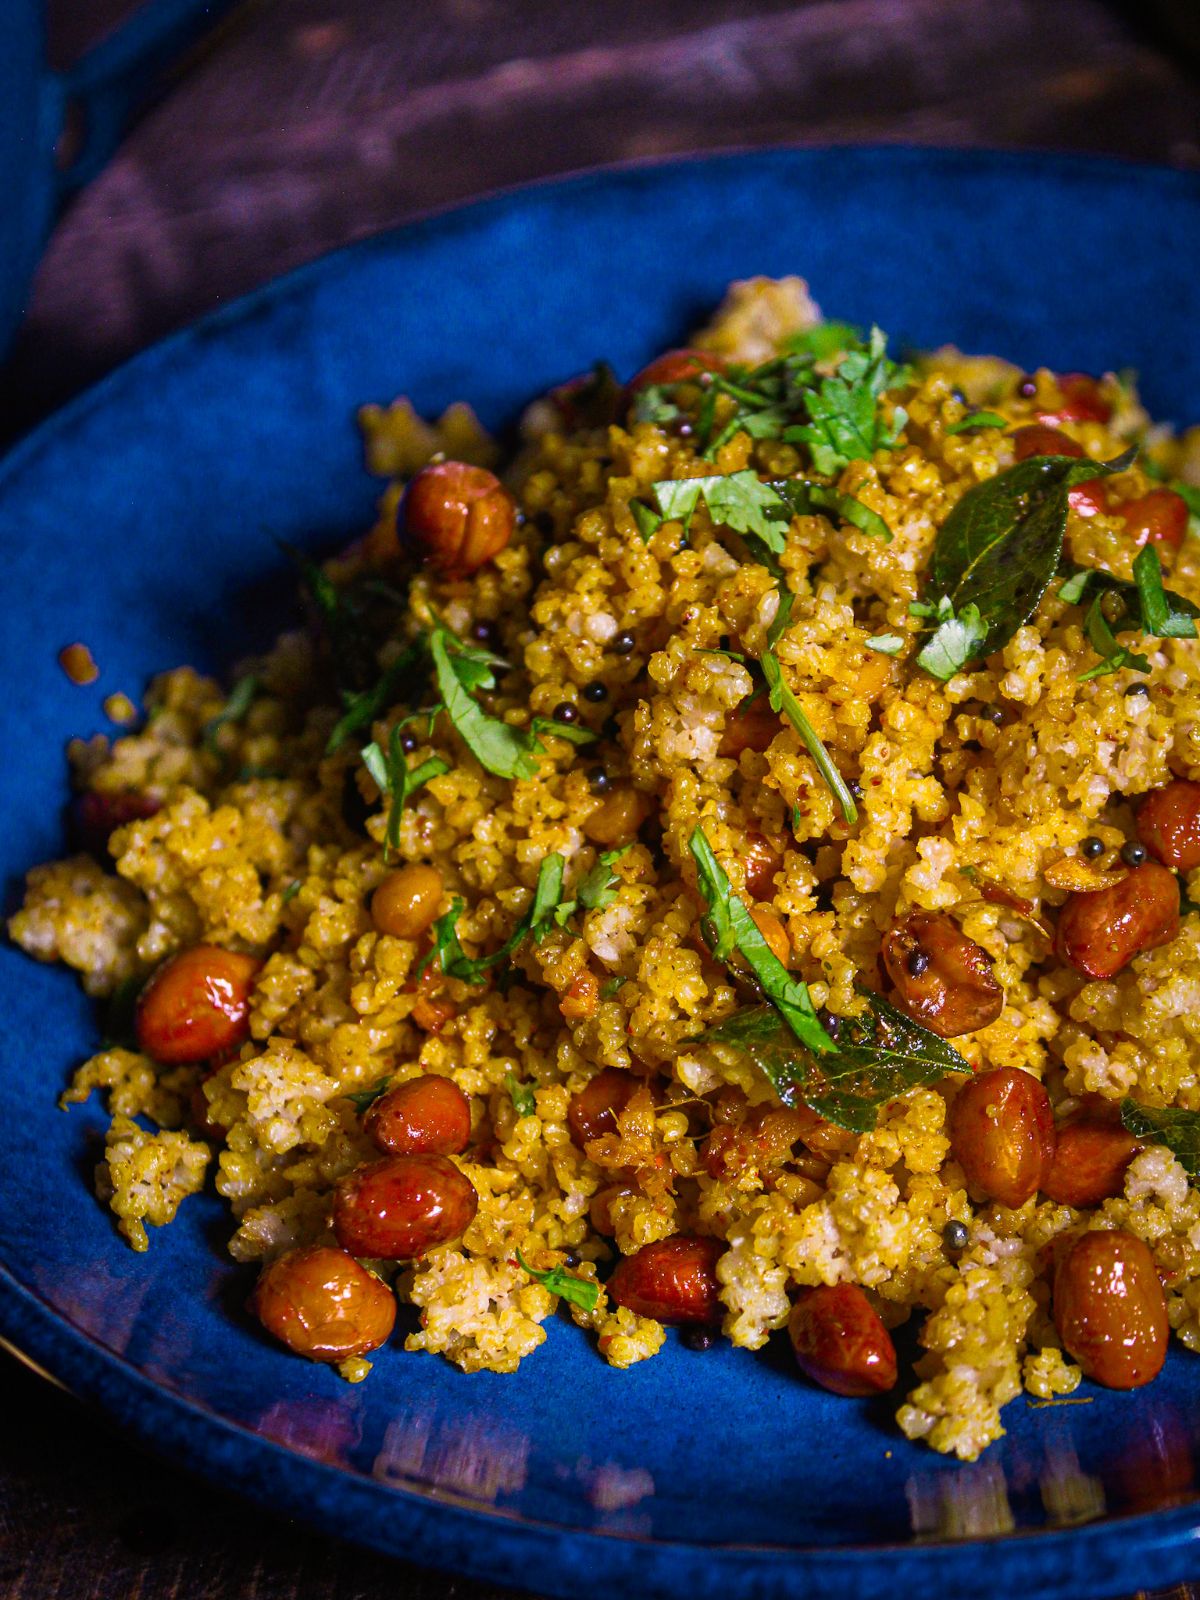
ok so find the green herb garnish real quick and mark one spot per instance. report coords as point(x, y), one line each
point(1000, 546)
point(353, 658)
point(394, 779)
point(361, 709)
point(241, 698)
point(521, 1096)
point(877, 1056)
point(1178, 1130)
point(729, 927)
point(579, 1291)
point(956, 638)
point(1117, 606)
point(977, 420)
point(805, 495)
point(536, 924)
point(740, 501)
point(597, 889)
point(887, 644)
point(292, 890)
point(360, 1099)
point(648, 520)
point(570, 731)
point(784, 701)
point(120, 1009)
point(460, 669)
point(844, 422)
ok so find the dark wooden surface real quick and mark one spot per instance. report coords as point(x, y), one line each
point(312, 122)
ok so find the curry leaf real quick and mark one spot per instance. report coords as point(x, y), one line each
point(732, 928)
point(1000, 546)
point(1179, 1130)
point(877, 1056)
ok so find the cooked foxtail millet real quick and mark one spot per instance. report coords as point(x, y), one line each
point(726, 862)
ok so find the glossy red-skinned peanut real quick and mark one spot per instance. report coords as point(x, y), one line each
point(1002, 1134)
point(840, 1341)
point(95, 817)
point(1089, 1163)
point(1082, 400)
point(675, 366)
point(594, 1110)
point(1100, 933)
point(1158, 517)
point(401, 1207)
point(1168, 824)
point(458, 516)
point(1110, 1309)
point(425, 1116)
point(942, 979)
point(196, 1005)
point(1041, 440)
point(322, 1304)
point(673, 1280)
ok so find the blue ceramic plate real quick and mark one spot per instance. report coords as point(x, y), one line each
point(141, 521)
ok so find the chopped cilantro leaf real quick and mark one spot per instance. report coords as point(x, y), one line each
point(572, 732)
point(648, 520)
point(579, 1291)
point(521, 1096)
point(823, 340)
point(394, 779)
point(536, 924)
point(459, 669)
point(977, 420)
point(887, 644)
point(241, 698)
point(955, 641)
point(362, 1098)
point(740, 501)
point(785, 702)
point(729, 927)
point(805, 495)
point(844, 423)
point(292, 890)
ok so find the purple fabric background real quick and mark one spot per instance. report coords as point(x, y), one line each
point(307, 123)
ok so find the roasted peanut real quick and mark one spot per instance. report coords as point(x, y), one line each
point(942, 979)
point(840, 1341)
point(458, 515)
point(749, 726)
point(401, 1207)
point(1100, 933)
point(425, 1116)
point(1002, 1134)
point(1041, 440)
point(672, 1280)
point(1089, 1163)
point(760, 862)
point(675, 366)
point(774, 932)
point(616, 820)
point(322, 1304)
point(406, 902)
point(1110, 1310)
point(196, 1005)
point(1168, 824)
point(581, 998)
point(593, 1111)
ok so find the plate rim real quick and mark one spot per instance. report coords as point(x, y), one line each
point(516, 1548)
